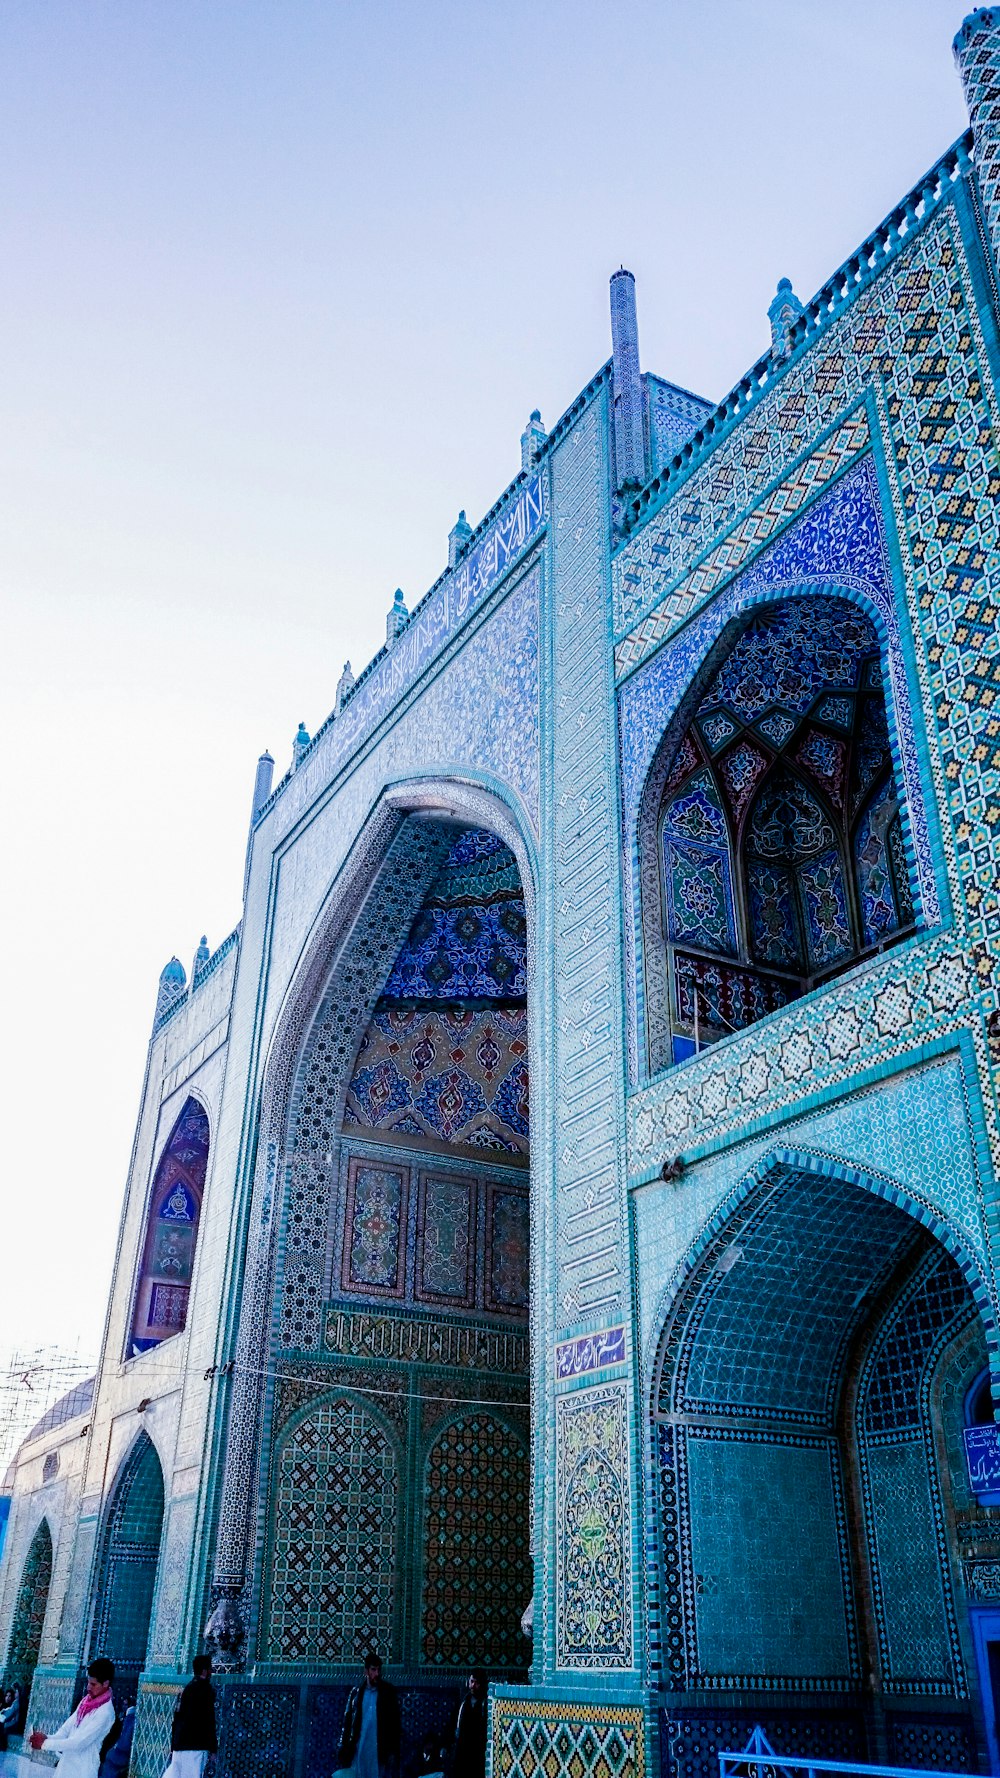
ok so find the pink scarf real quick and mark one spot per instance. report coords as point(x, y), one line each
point(87, 1704)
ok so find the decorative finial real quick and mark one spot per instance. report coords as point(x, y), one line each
point(458, 538)
point(532, 439)
point(344, 687)
point(783, 311)
point(299, 746)
point(397, 619)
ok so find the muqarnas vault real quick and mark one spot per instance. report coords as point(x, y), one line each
point(561, 1229)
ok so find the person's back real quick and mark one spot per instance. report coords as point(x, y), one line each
point(115, 1763)
point(193, 1735)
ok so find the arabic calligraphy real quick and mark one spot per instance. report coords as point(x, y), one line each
point(590, 1352)
point(982, 1455)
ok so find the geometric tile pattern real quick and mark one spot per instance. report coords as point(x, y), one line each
point(476, 1569)
point(29, 1611)
point(766, 1334)
point(332, 1582)
point(129, 1558)
point(549, 1739)
point(454, 1074)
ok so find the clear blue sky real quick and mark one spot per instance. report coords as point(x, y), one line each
point(281, 283)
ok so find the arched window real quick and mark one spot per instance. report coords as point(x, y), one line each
point(161, 1298)
point(781, 852)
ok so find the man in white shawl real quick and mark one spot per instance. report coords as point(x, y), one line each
point(78, 1742)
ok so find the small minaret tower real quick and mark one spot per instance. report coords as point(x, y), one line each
point(630, 452)
point(977, 52)
point(458, 538)
point(172, 984)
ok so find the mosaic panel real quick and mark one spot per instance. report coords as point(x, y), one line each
point(593, 1555)
point(508, 1216)
point(477, 1574)
point(332, 1582)
point(933, 1744)
point(913, 1622)
point(178, 1545)
point(257, 1725)
point(446, 1238)
point(455, 1074)
point(691, 1740)
point(582, 860)
point(154, 1717)
point(374, 1228)
point(563, 1739)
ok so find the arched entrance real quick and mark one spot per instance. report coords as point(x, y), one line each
point(130, 1551)
point(806, 1516)
point(29, 1612)
point(409, 1126)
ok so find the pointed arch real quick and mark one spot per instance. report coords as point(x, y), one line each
point(163, 1285)
point(803, 870)
point(29, 1611)
point(332, 1585)
point(129, 1558)
point(809, 1276)
point(476, 1571)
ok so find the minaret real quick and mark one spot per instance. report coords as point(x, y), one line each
point(261, 785)
point(532, 439)
point(783, 312)
point(172, 983)
point(261, 791)
point(630, 454)
point(977, 52)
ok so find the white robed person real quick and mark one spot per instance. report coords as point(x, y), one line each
point(77, 1742)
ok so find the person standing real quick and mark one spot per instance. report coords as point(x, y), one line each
point(116, 1761)
point(78, 1742)
point(193, 1735)
point(468, 1758)
point(369, 1740)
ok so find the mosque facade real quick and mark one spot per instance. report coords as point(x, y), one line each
point(561, 1232)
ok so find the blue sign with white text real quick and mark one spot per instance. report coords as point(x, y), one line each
point(982, 1454)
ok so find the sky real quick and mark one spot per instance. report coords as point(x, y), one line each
point(281, 284)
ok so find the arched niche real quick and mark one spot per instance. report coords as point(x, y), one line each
point(128, 1561)
point(29, 1610)
point(796, 1478)
point(772, 832)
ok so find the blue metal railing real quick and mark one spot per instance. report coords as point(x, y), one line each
point(759, 1760)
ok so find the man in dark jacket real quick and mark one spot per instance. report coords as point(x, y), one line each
point(370, 1738)
point(468, 1759)
point(193, 1735)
